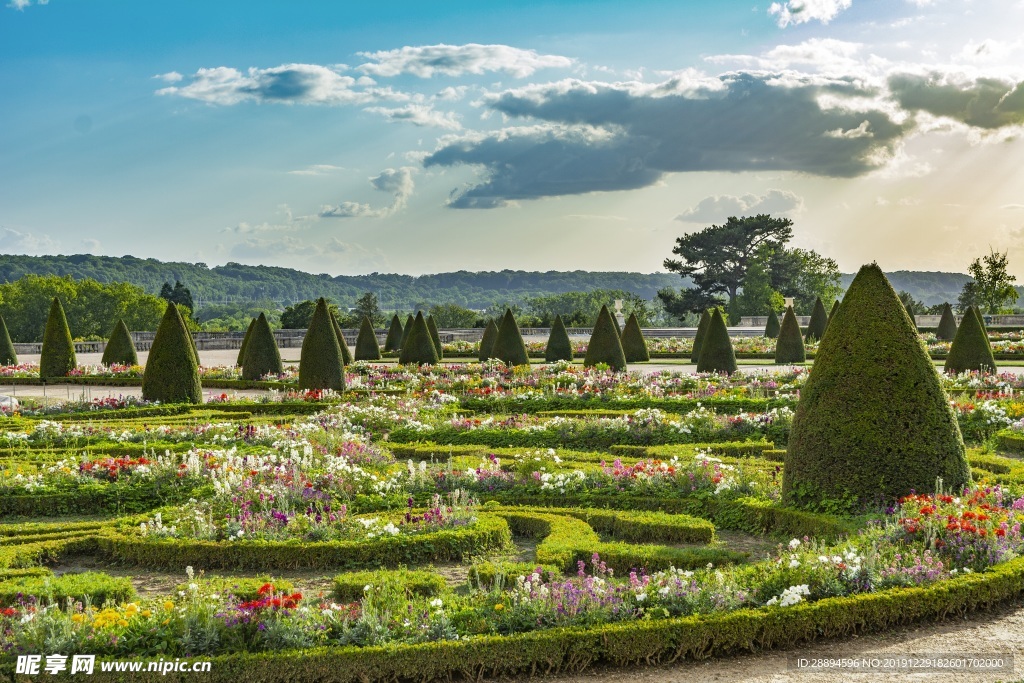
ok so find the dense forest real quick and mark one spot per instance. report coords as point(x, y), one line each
point(234, 282)
point(929, 287)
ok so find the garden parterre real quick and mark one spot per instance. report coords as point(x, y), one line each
point(613, 486)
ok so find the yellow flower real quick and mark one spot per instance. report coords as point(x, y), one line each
point(78, 618)
point(499, 607)
point(168, 605)
point(165, 622)
point(146, 613)
point(122, 622)
point(131, 609)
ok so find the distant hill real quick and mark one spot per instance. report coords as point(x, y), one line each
point(234, 282)
point(927, 286)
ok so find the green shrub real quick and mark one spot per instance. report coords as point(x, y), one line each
point(434, 336)
point(831, 314)
point(172, 371)
point(406, 330)
point(8, 356)
point(244, 588)
point(120, 348)
point(418, 348)
point(698, 338)
point(96, 587)
point(873, 422)
point(57, 358)
point(393, 342)
point(487, 341)
point(947, 324)
point(970, 349)
point(634, 346)
point(716, 354)
point(772, 328)
point(262, 356)
point(483, 574)
point(366, 342)
point(819, 319)
point(351, 586)
point(789, 348)
point(559, 345)
point(346, 354)
point(320, 362)
point(245, 342)
point(605, 346)
point(509, 347)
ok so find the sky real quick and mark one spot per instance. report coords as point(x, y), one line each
point(415, 137)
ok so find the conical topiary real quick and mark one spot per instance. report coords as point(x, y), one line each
point(366, 342)
point(320, 362)
point(819, 318)
point(509, 346)
point(418, 348)
point(559, 345)
point(172, 371)
point(406, 330)
point(120, 348)
point(487, 341)
point(57, 357)
point(434, 336)
point(346, 354)
point(618, 328)
point(698, 338)
point(8, 356)
point(970, 349)
point(604, 345)
point(789, 348)
point(393, 342)
point(262, 356)
point(771, 329)
point(716, 353)
point(981, 319)
point(634, 346)
point(831, 314)
point(245, 342)
point(873, 422)
point(947, 324)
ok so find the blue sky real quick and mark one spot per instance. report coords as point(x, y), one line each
point(423, 137)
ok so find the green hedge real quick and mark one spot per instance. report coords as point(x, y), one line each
point(483, 574)
point(488, 533)
point(242, 587)
point(567, 650)
point(95, 587)
point(349, 587)
point(728, 406)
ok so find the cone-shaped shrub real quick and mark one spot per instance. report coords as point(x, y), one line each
point(487, 341)
point(406, 330)
point(873, 422)
point(789, 348)
point(771, 330)
point(8, 356)
point(831, 314)
point(434, 336)
point(261, 354)
point(618, 328)
point(947, 324)
point(981, 319)
point(819, 318)
point(172, 372)
point(245, 342)
point(366, 342)
point(634, 346)
point(120, 347)
point(970, 349)
point(418, 348)
point(716, 353)
point(58, 355)
point(559, 345)
point(698, 339)
point(509, 346)
point(393, 342)
point(320, 362)
point(346, 354)
point(604, 345)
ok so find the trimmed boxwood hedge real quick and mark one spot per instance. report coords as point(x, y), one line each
point(559, 346)
point(366, 342)
point(95, 587)
point(245, 342)
point(509, 346)
point(57, 357)
point(698, 338)
point(172, 371)
point(418, 348)
point(406, 329)
point(346, 353)
point(716, 353)
point(320, 362)
point(393, 342)
point(262, 356)
point(487, 341)
point(434, 336)
point(831, 314)
point(350, 586)
point(819, 319)
point(605, 345)
point(946, 331)
point(120, 349)
point(873, 422)
point(634, 346)
point(8, 356)
point(970, 350)
point(772, 327)
point(790, 346)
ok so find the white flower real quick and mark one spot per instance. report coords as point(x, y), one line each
point(794, 544)
point(640, 597)
point(436, 603)
point(190, 572)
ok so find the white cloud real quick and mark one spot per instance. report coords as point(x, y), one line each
point(286, 84)
point(20, 5)
point(16, 242)
point(418, 115)
point(342, 255)
point(989, 51)
point(397, 182)
point(170, 77)
point(316, 169)
point(456, 60)
point(1012, 207)
point(803, 11)
point(861, 131)
point(721, 207)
